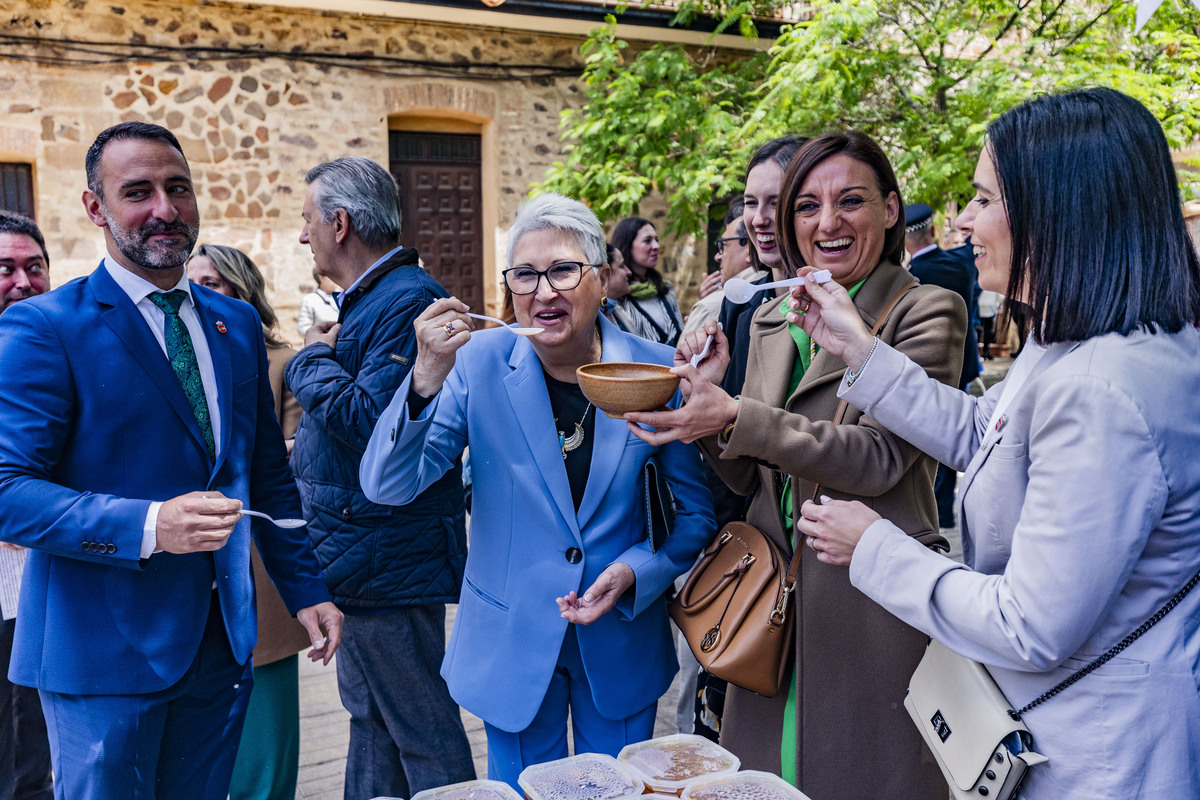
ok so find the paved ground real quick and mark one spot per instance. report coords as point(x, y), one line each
point(325, 725)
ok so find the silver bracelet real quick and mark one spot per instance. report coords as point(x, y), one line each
point(851, 375)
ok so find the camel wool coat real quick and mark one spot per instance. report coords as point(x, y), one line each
point(853, 659)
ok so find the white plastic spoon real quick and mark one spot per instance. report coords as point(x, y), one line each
point(696, 359)
point(506, 326)
point(740, 291)
point(281, 523)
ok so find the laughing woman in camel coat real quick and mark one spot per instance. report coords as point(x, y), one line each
point(839, 731)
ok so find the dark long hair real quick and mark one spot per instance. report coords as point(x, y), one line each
point(622, 239)
point(861, 148)
point(1099, 243)
point(781, 150)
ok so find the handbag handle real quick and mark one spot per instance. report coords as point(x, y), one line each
point(793, 572)
point(736, 573)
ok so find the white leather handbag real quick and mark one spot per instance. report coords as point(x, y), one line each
point(979, 741)
point(980, 744)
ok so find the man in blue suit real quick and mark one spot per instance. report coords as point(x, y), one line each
point(137, 422)
point(953, 270)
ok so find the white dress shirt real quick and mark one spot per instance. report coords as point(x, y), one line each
point(929, 248)
point(139, 290)
point(12, 563)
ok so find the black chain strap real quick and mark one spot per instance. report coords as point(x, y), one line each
point(1117, 648)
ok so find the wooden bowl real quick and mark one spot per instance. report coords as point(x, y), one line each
point(617, 387)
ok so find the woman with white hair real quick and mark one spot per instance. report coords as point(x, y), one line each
point(562, 606)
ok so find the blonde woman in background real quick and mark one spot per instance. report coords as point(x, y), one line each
point(269, 756)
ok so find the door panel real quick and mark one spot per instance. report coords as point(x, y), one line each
point(440, 207)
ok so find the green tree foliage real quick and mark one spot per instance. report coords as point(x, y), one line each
point(650, 125)
point(923, 77)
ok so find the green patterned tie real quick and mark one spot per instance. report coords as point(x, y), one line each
point(183, 361)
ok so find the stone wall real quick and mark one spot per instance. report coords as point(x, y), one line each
point(253, 123)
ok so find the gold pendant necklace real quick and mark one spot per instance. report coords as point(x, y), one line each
point(572, 442)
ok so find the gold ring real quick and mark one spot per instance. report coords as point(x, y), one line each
point(449, 328)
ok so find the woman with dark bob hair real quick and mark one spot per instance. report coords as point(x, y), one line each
point(837, 729)
point(651, 296)
point(1080, 505)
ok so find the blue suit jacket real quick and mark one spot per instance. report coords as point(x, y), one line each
point(508, 631)
point(95, 427)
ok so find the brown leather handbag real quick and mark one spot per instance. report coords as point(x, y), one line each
point(733, 609)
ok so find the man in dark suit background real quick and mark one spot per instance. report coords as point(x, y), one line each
point(953, 270)
point(138, 422)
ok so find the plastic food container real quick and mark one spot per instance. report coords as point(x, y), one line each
point(748, 785)
point(469, 790)
point(588, 776)
point(670, 763)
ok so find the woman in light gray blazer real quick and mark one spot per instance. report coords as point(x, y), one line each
point(1080, 503)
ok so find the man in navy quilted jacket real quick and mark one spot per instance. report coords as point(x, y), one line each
point(390, 569)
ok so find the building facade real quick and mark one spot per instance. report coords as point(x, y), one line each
point(460, 101)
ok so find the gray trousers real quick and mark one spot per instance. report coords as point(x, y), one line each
point(406, 733)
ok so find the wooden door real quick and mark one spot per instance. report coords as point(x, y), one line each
point(440, 207)
point(16, 188)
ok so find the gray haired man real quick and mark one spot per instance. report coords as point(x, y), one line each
point(391, 569)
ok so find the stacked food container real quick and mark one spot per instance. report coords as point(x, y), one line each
point(678, 767)
point(588, 776)
point(668, 764)
point(468, 790)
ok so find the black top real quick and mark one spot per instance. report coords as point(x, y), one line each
point(735, 321)
point(570, 407)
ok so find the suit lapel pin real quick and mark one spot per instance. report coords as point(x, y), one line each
point(1000, 422)
point(220, 326)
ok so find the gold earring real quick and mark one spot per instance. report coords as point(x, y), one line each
point(603, 299)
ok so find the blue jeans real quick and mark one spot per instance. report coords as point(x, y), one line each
point(406, 733)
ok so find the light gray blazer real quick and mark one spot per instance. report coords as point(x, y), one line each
point(1080, 517)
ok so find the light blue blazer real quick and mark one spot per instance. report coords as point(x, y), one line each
point(508, 631)
point(1080, 518)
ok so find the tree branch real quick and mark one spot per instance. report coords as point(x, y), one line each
point(1079, 34)
point(1004, 29)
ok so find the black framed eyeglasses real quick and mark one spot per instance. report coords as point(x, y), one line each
point(741, 240)
point(562, 276)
